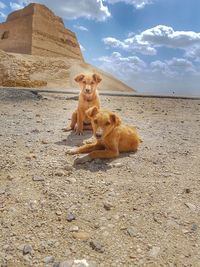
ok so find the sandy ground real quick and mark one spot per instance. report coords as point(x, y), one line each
point(140, 209)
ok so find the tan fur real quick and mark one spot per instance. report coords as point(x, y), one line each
point(88, 98)
point(112, 137)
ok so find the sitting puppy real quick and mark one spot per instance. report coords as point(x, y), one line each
point(112, 137)
point(88, 98)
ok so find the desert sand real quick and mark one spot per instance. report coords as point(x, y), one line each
point(141, 209)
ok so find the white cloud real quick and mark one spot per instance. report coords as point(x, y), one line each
point(147, 41)
point(130, 34)
point(160, 67)
point(133, 44)
point(175, 67)
point(180, 63)
point(121, 66)
point(70, 9)
point(81, 28)
point(162, 35)
point(2, 5)
point(136, 3)
point(2, 15)
point(82, 48)
point(16, 6)
point(193, 52)
point(176, 74)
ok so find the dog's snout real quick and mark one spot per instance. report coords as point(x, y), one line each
point(98, 135)
point(87, 90)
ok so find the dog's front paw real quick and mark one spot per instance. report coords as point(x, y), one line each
point(67, 129)
point(78, 131)
point(89, 141)
point(82, 160)
point(72, 151)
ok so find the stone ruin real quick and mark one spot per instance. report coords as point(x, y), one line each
point(36, 30)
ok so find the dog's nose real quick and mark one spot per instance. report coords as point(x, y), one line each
point(87, 90)
point(98, 135)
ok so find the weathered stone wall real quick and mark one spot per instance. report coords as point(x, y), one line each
point(50, 38)
point(36, 30)
point(15, 33)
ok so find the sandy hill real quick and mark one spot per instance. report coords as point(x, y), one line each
point(20, 70)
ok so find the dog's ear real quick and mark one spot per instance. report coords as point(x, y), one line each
point(91, 112)
point(96, 77)
point(115, 119)
point(79, 78)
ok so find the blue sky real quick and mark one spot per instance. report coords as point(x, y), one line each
point(152, 45)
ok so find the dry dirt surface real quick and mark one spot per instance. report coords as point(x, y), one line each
point(140, 209)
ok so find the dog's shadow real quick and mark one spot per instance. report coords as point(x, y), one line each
point(94, 165)
point(97, 165)
point(72, 139)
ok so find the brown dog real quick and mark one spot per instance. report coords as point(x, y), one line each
point(88, 98)
point(112, 137)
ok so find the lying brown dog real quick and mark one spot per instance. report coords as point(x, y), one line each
point(88, 98)
point(112, 137)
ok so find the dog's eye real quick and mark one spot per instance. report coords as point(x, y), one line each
point(107, 123)
point(95, 121)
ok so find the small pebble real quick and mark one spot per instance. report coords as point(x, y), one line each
point(68, 168)
point(74, 228)
point(71, 217)
point(27, 249)
point(38, 178)
point(132, 231)
point(2, 191)
point(58, 212)
point(117, 165)
point(71, 180)
point(44, 142)
point(49, 259)
point(107, 206)
point(194, 227)
point(81, 235)
point(191, 206)
point(187, 190)
point(95, 245)
point(154, 252)
point(59, 173)
point(10, 177)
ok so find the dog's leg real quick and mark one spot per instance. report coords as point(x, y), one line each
point(104, 154)
point(73, 122)
point(111, 150)
point(79, 128)
point(84, 149)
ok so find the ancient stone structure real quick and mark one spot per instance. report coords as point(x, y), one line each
point(35, 30)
